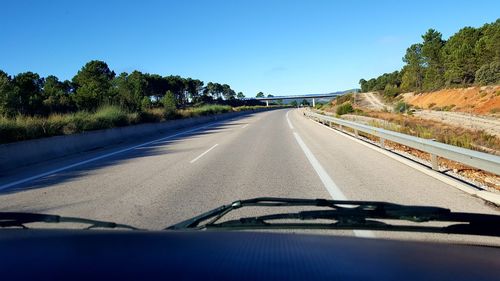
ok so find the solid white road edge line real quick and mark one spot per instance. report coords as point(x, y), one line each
point(106, 155)
point(485, 195)
point(288, 120)
point(201, 155)
point(244, 126)
point(330, 186)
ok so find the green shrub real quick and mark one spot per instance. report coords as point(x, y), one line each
point(110, 116)
point(145, 103)
point(402, 107)
point(344, 108)
point(488, 73)
point(169, 105)
point(391, 91)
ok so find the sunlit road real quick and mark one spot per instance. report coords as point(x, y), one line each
point(264, 154)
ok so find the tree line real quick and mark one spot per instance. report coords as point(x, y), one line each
point(470, 56)
point(95, 84)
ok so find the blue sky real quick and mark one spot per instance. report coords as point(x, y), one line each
point(278, 47)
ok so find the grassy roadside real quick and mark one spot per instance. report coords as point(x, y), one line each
point(453, 135)
point(25, 127)
point(409, 124)
point(441, 132)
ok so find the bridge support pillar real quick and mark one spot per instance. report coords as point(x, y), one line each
point(314, 102)
point(267, 103)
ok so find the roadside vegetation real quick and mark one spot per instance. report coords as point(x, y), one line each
point(31, 127)
point(469, 57)
point(96, 98)
point(401, 119)
point(453, 135)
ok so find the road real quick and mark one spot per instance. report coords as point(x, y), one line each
point(274, 153)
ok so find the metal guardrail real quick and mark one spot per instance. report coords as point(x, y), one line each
point(484, 161)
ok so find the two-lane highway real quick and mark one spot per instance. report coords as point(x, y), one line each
point(274, 153)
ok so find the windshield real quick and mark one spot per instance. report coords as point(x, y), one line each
point(133, 115)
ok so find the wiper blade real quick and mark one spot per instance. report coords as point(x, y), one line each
point(362, 215)
point(19, 219)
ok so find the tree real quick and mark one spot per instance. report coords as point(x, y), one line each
point(487, 48)
point(8, 99)
point(227, 92)
point(157, 86)
point(214, 89)
point(294, 103)
point(194, 88)
point(260, 95)
point(146, 103)
point(28, 92)
point(240, 95)
point(130, 90)
point(391, 91)
point(413, 70)
point(138, 87)
point(57, 96)
point(434, 63)
point(364, 85)
point(169, 104)
point(270, 96)
point(431, 55)
point(176, 85)
point(459, 57)
point(379, 83)
point(489, 73)
point(93, 85)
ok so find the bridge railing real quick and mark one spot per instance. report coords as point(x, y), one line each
point(484, 161)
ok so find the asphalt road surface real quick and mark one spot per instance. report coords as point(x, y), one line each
point(274, 153)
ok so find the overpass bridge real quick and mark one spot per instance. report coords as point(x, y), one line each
point(294, 97)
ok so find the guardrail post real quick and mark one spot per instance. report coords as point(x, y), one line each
point(382, 143)
point(340, 127)
point(434, 162)
point(356, 134)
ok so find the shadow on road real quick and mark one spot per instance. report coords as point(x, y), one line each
point(153, 149)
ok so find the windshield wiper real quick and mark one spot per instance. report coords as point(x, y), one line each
point(352, 215)
point(19, 219)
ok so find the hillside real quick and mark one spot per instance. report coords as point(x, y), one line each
point(477, 100)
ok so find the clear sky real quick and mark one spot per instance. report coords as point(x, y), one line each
point(278, 47)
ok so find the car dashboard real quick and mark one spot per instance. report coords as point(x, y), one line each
point(213, 255)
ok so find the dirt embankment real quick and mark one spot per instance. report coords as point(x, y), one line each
point(476, 100)
point(370, 100)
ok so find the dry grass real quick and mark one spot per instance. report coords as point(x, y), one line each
point(483, 178)
point(26, 127)
point(429, 129)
